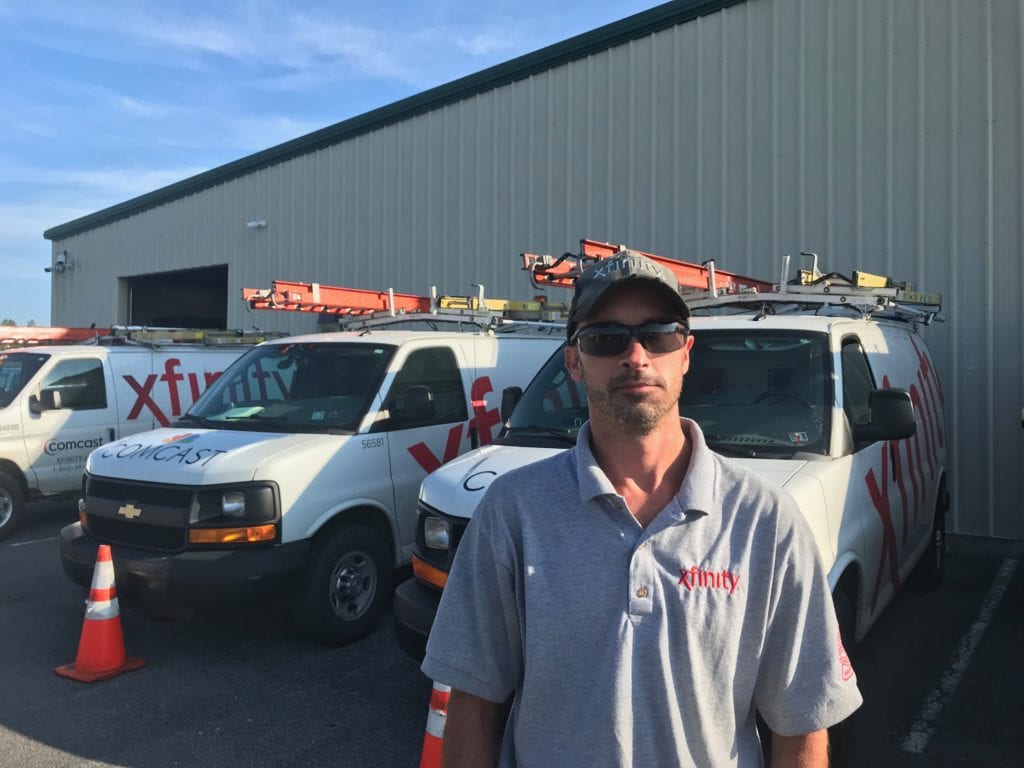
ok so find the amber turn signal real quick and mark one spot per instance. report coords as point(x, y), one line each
point(250, 535)
point(428, 573)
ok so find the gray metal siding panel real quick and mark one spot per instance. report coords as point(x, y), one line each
point(884, 135)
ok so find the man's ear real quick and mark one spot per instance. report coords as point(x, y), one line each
point(573, 364)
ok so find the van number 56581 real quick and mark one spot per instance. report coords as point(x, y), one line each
point(373, 442)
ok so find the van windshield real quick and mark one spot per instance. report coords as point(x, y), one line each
point(754, 393)
point(16, 370)
point(306, 387)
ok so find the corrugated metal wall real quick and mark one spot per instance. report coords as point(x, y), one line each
point(886, 135)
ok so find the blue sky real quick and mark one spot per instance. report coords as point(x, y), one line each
point(103, 101)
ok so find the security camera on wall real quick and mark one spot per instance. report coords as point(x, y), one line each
point(60, 263)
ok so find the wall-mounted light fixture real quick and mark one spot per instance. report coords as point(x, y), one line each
point(256, 224)
point(60, 263)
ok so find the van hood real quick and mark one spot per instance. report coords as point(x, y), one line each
point(201, 456)
point(776, 471)
point(457, 487)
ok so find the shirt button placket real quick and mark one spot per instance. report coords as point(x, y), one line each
point(640, 575)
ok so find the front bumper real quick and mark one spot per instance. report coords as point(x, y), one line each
point(191, 578)
point(415, 608)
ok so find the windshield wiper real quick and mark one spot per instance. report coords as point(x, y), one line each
point(561, 435)
point(200, 420)
point(761, 452)
point(277, 422)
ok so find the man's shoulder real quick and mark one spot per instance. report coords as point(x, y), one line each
point(749, 490)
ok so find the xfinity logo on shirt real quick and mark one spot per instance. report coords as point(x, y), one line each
point(693, 578)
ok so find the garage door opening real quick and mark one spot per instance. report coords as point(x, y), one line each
point(190, 298)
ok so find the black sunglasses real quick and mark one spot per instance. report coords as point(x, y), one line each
point(612, 339)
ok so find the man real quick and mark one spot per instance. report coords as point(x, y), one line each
point(641, 597)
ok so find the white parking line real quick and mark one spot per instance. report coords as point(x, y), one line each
point(33, 541)
point(921, 732)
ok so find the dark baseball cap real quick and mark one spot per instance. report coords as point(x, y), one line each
point(625, 268)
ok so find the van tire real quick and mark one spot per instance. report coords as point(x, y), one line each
point(844, 603)
point(345, 587)
point(931, 568)
point(12, 505)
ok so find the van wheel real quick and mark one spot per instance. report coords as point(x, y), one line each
point(931, 569)
point(843, 603)
point(12, 505)
point(345, 587)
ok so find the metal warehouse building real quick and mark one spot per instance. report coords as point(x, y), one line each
point(885, 135)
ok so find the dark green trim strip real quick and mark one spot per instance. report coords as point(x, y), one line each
point(595, 41)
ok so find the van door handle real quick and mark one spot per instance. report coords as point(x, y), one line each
point(110, 432)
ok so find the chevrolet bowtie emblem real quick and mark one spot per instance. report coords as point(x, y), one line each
point(129, 510)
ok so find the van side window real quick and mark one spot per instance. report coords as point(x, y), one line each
point(857, 382)
point(80, 383)
point(437, 370)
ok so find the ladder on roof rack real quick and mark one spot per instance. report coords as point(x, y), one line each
point(863, 292)
point(562, 271)
point(31, 335)
point(360, 308)
point(18, 337)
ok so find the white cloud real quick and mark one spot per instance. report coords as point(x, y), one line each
point(42, 130)
point(101, 186)
point(21, 232)
point(150, 110)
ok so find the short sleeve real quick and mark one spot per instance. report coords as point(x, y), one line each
point(805, 681)
point(475, 644)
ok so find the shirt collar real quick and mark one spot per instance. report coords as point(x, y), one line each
point(695, 495)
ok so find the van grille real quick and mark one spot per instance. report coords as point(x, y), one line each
point(143, 493)
point(139, 535)
point(161, 513)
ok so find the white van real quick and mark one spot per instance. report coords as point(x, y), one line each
point(297, 473)
point(843, 410)
point(59, 403)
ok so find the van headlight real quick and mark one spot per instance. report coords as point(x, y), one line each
point(436, 532)
point(246, 503)
point(232, 504)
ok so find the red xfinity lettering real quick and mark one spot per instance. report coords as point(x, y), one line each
point(880, 497)
point(172, 378)
point(426, 458)
point(693, 577)
point(145, 399)
point(897, 471)
point(144, 391)
point(482, 421)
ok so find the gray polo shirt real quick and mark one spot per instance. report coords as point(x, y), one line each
point(628, 646)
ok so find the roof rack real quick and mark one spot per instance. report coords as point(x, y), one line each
point(562, 271)
point(34, 335)
point(118, 335)
point(863, 292)
point(358, 309)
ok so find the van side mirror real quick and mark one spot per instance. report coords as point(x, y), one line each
point(418, 405)
point(47, 400)
point(892, 417)
point(509, 397)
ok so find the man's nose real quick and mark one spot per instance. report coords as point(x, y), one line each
point(635, 355)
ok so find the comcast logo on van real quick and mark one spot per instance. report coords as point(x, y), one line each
point(57, 446)
point(187, 437)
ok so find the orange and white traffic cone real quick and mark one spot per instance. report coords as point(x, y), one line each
point(433, 737)
point(101, 647)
